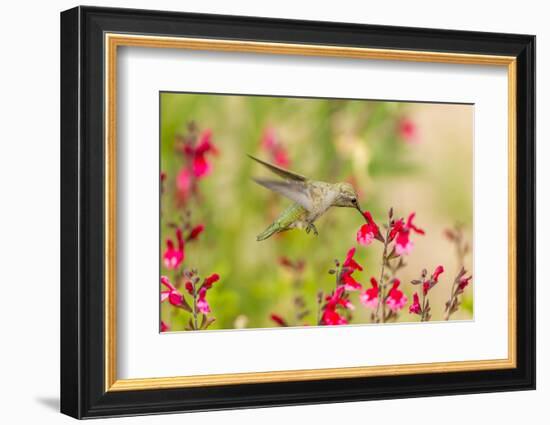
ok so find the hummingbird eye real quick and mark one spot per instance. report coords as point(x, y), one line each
point(353, 200)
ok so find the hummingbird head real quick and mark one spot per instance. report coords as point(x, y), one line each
point(346, 197)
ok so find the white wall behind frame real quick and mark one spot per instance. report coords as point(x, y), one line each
point(30, 106)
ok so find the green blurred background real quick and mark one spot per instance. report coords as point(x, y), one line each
point(409, 156)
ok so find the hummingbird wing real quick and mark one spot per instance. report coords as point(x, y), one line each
point(281, 172)
point(294, 190)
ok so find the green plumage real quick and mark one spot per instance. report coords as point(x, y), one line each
point(285, 221)
point(311, 199)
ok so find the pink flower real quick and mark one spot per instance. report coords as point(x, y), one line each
point(164, 327)
point(173, 256)
point(438, 270)
point(350, 263)
point(349, 266)
point(184, 183)
point(276, 150)
point(408, 130)
point(173, 296)
point(369, 298)
point(396, 299)
point(201, 166)
point(368, 231)
point(349, 282)
point(414, 308)
point(430, 283)
point(401, 232)
point(463, 283)
point(330, 313)
point(202, 304)
point(278, 319)
point(331, 317)
point(195, 232)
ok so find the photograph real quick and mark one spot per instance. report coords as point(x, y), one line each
point(292, 212)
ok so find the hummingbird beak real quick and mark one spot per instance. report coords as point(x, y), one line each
point(359, 208)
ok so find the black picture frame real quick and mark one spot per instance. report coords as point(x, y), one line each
point(83, 392)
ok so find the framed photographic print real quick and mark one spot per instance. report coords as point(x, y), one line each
point(261, 212)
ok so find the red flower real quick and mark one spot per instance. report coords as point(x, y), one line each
point(278, 319)
point(202, 304)
point(350, 263)
point(210, 280)
point(415, 306)
point(330, 313)
point(401, 232)
point(201, 166)
point(173, 296)
point(173, 256)
point(438, 270)
point(189, 288)
point(396, 299)
point(195, 232)
point(408, 130)
point(464, 281)
point(349, 266)
point(164, 327)
point(276, 150)
point(368, 231)
point(349, 282)
point(332, 317)
point(430, 283)
point(184, 183)
point(370, 297)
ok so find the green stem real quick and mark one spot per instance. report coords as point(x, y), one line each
point(382, 299)
point(195, 319)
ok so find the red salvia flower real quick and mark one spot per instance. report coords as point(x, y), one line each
point(164, 327)
point(400, 231)
point(464, 282)
point(173, 256)
point(349, 282)
point(184, 184)
point(430, 283)
point(189, 288)
point(202, 304)
point(414, 308)
point(369, 298)
point(350, 263)
point(330, 313)
point(210, 280)
point(368, 231)
point(195, 232)
point(173, 296)
point(396, 299)
point(201, 166)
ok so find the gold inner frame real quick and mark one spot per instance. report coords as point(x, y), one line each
point(113, 41)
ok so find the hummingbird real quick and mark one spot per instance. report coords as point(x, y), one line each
point(311, 198)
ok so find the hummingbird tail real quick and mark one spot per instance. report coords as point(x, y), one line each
point(271, 230)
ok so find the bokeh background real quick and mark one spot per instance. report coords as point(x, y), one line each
point(414, 157)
